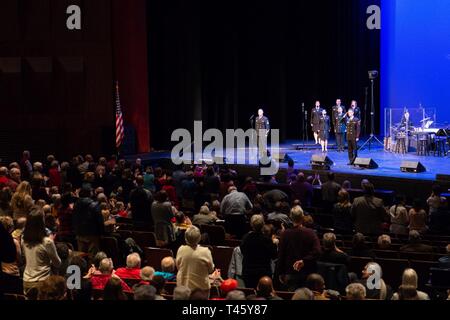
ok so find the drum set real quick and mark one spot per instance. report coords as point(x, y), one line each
point(424, 139)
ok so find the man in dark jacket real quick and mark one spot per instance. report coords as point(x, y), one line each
point(7, 253)
point(415, 244)
point(298, 252)
point(368, 212)
point(87, 222)
point(141, 205)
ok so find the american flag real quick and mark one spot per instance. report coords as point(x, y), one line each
point(119, 119)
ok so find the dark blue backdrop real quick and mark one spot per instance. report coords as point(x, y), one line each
point(415, 55)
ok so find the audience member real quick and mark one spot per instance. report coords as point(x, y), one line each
point(410, 278)
point(299, 249)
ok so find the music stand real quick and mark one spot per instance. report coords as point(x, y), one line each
point(373, 138)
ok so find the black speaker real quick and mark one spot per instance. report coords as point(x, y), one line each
point(282, 157)
point(365, 163)
point(321, 162)
point(412, 166)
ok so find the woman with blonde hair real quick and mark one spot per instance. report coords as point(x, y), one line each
point(380, 291)
point(410, 279)
point(22, 202)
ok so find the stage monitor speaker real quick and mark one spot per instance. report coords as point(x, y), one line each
point(365, 163)
point(321, 162)
point(412, 166)
point(282, 157)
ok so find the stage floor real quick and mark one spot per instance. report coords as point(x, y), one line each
point(389, 163)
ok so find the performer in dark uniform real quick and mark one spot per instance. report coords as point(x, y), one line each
point(336, 107)
point(356, 109)
point(316, 113)
point(353, 132)
point(324, 131)
point(339, 122)
point(262, 127)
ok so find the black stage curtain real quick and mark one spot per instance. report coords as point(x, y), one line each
point(218, 61)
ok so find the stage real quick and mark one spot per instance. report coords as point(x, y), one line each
point(388, 172)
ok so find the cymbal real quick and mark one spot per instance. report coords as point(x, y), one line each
point(425, 120)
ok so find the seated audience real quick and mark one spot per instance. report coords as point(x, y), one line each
point(355, 291)
point(167, 269)
point(415, 244)
point(316, 284)
point(144, 292)
point(181, 293)
point(384, 242)
point(113, 290)
point(53, 288)
point(265, 289)
point(235, 295)
point(384, 292)
point(146, 275)
point(360, 248)
point(410, 279)
point(331, 253)
point(106, 272)
point(133, 268)
point(303, 294)
point(204, 217)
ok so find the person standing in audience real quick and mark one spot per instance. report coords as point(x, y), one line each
point(410, 278)
point(258, 252)
point(368, 212)
point(141, 201)
point(234, 208)
point(435, 199)
point(298, 251)
point(40, 253)
point(87, 222)
point(163, 213)
point(22, 202)
point(342, 218)
point(330, 191)
point(194, 263)
point(8, 254)
point(399, 216)
point(418, 217)
point(302, 190)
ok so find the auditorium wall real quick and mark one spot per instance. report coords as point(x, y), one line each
point(56, 84)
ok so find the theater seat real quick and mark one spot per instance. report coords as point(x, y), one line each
point(144, 239)
point(222, 257)
point(423, 271)
point(153, 256)
point(216, 234)
point(357, 264)
point(110, 246)
point(393, 270)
